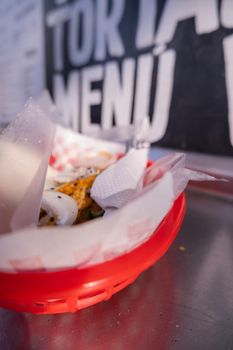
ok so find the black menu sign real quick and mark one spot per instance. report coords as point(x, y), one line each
point(112, 62)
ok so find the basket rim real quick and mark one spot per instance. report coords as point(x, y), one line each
point(177, 212)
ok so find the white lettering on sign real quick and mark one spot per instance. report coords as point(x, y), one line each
point(118, 93)
point(67, 98)
point(146, 23)
point(164, 94)
point(228, 56)
point(204, 12)
point(81, 53)
point(56, 20)
point(125, 93)
point(143, 86)
point(226, 13)
point(107, 25)
point(90, 97)
point(58, 37)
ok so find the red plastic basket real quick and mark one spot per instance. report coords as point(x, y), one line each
point(72, 289)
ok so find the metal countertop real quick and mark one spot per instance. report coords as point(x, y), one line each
point(185, 301)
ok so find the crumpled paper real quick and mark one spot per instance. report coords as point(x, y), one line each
point(175, 163)
point(76, 150)
point(119, 183)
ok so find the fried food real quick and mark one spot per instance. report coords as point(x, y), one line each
point(79, 189)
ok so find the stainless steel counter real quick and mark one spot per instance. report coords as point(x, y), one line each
point(183, 302)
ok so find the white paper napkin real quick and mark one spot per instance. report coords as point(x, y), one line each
point(119, 183)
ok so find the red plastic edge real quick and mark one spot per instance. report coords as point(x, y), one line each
point(73, 285)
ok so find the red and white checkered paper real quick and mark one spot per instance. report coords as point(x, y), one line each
point(74, 150)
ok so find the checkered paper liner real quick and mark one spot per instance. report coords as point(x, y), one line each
point(73, 149)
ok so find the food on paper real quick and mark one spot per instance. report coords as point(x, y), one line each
point(135, 200)
point(66, 199)
point(58, 209)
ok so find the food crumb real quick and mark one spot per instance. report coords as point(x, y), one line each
point(182, 248)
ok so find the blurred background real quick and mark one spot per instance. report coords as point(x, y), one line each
point(112, 62)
